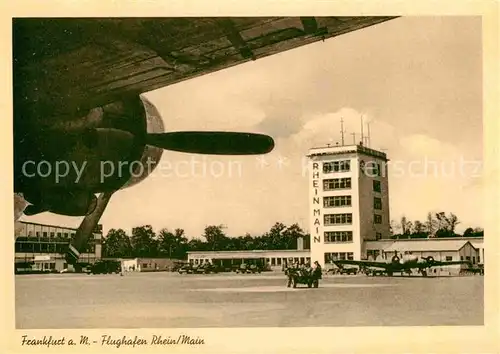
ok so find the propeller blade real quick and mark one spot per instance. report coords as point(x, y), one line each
point(213, 143)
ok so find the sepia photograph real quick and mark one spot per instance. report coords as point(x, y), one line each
point(247, 172)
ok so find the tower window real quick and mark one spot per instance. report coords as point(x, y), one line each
point(338, 236)
point(337, 201)
point(337, 166)
point(336, 183)
point(338, 219)
point(376, 186)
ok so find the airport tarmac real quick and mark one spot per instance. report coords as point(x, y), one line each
point(171, 300)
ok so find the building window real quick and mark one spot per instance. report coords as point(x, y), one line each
point(337, 166)
point(337, 201)
point(65, 235)
point(337, 219)
point(473, 260)
point(378, 236)
point(59, 235)
point(338, 236)
point(377, 203)
point(336, 183)
point(372, 254)
point(376, 186)
point(478, 259)
point(449, 258)
point(335, 256)
point(331, 256)
point(374, 169)
point(52, 235)
point(72, 235)
point(377, 219)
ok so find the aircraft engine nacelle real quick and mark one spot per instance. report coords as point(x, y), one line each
point(64, 203)
point(395, 259)
point(59, 168)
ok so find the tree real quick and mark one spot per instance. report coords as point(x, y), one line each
point(418, 230)
point(418, 227)
point(430, 225)
point(216, 238)
point(446, 224)
point(144, 241)
point(116, 244)
point(173, 245)
point(291, 235)
point(452, 222)
point(404, 225)
point(468, 232)
point(275, 238)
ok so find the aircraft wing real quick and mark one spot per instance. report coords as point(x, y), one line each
point(445, 263)
point(382, 265)
point(68, 65)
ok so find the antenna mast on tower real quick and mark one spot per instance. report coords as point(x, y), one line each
point(353, 138)
point(342, 131)
point(369, 137)
point(362, 136)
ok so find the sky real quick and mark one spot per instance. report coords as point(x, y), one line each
point(416, 80)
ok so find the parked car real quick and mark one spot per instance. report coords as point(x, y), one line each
point(186, 269)
point(106, 267)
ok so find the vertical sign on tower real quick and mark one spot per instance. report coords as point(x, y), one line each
point(316, 205)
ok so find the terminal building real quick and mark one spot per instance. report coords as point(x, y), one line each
point(43, 247)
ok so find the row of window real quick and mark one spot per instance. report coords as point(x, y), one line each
point(345, 183)
point(372, 169)
point(346, 219)
point(337, 166)
point(346, 201)
point(338, 236)
point(338, 256)
point(337, 201)
point(283, 261)
point(336, 183)
point(46, 247)
point(338, 219)
point(52, 234)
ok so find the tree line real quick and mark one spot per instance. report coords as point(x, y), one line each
point(145, 242)
point(436, 225)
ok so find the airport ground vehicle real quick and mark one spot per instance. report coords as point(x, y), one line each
point(186, 269)
point(105, 267)
point(303, 276)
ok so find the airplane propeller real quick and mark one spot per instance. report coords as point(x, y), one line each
point(214, 143)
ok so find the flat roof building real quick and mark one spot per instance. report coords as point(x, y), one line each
point(44, 246)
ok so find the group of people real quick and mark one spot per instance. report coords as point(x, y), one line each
point(304, 269)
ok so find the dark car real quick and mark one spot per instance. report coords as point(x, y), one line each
point(186, 269)
point(106, 267)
